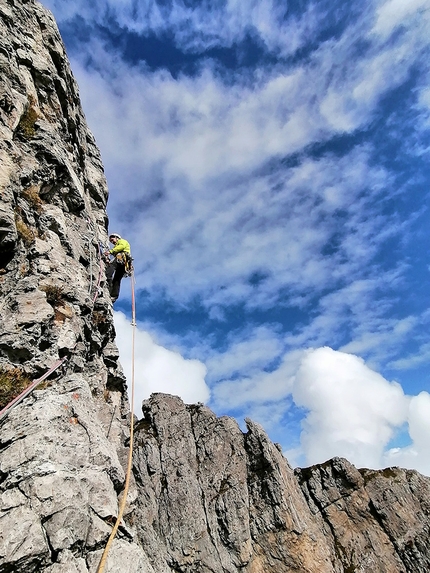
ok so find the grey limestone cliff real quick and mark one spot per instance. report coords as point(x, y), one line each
point(62, 449)
point(205, 497)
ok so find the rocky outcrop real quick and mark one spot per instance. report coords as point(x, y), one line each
point(62, 449)
point(214, 499)
point(211, 498)
point(205, 497)
point(373, 520)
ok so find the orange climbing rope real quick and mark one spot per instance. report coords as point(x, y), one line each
point(130, 452)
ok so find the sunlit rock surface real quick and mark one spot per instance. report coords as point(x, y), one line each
point(214, 499)
point(205, 497)
point(62, 450)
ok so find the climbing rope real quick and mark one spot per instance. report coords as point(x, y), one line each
point(90, 254)
point(99, 278)
point(30, 388)
point(59, 362)
point(130, 451)
point(91, 240)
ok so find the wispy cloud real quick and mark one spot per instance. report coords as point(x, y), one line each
point(221, 221)
point(289, 186)
point(412, 360)
point(206, 24)
point(396, 13)
point(191, 163)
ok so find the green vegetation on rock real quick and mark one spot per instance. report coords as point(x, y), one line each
point(12, 382)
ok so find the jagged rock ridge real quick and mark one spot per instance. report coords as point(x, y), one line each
point(206, 497)
point(211, 498)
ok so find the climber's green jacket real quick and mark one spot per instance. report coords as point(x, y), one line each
point(122, 246)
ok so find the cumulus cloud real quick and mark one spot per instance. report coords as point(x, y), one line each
point(158, 369)
point(346, 409)
point(417, 455)
point(352, 410)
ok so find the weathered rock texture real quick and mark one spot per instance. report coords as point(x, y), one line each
point(211, 498)
point(62, 450)
point(206, 498)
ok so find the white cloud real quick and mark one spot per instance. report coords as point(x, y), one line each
point(374, 331)
point(413, 360)
point(158, 369)
point(395, 13)
point(260, 387)
point(378, 341)
point(416, 456)
point(248, 354)
point(425, 98)
point(352, 410)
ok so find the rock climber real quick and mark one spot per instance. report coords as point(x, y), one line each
point(117, 267)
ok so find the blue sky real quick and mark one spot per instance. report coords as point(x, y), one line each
point(269, 163)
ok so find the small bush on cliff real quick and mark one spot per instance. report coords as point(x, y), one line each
point(26, 126)
point(12, 382)
point(25, 233)
point(99, 318)
point(31, 195)
point(54, 294)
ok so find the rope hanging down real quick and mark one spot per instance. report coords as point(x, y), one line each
point(91, 240)
point(130, 452)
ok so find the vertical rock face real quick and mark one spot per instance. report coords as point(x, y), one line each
point(62, 448)
point(206, 498)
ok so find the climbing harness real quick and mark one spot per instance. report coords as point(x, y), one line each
point(30, 388)
point(105, 554)
point(126, 260)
